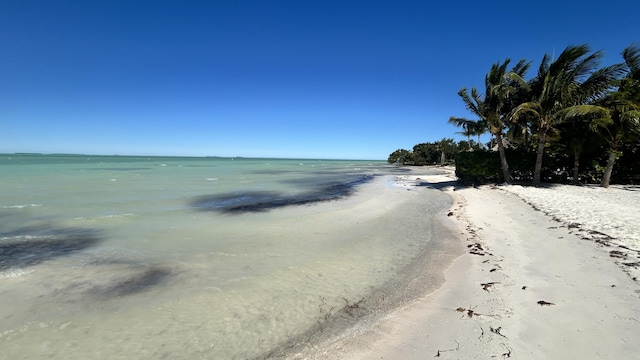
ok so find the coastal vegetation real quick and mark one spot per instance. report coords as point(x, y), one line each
point(573, 121)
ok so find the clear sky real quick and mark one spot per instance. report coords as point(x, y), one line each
point(311, 79)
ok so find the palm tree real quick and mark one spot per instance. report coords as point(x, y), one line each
point(577, 138)
point(624, 110)
point(445, 146)
point(478, 129)
point(568, 81)
point(492, 107)
point(619, 111)
point(467, 128)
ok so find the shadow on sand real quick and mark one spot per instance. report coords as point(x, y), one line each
point(441, 185)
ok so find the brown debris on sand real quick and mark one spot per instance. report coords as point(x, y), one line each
point(544, 303)
point(487, 286)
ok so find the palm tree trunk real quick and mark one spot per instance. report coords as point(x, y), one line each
point(609, 169)
point(503, 159)
point(576, 167)
point(538, 167)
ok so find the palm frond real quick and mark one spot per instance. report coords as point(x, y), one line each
point(605, 128)
point(460, 122)
point(631, 120)
point(528, 108)
point(583, 67)
point(544, 66)
point(568, 59)
point(584, 111)
point(600, 82)
point(521, 67)
point(602, 121)
point(470, 101)
point(631, 56)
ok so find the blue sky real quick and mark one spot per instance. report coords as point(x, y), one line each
point(309, 79)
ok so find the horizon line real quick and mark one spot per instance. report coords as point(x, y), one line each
point(186, 156)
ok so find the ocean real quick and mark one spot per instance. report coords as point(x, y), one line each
point(119, 257)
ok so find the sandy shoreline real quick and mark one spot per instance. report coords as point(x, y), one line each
point(549, 273)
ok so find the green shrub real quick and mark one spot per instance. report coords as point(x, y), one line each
point(483, 167)
point(478, 167)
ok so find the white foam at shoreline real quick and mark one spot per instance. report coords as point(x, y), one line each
point(110, 216)
point(14, 273)
point(21, 206)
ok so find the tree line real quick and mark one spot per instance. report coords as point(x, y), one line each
point(570, 110)
point(430, 153)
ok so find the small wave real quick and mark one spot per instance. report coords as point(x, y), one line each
point(235, 280)
point(111, 216)
point(14, 273)
point(212, 179)
point(21, 206)
point(224, 254)
point(25, 237)
point(118, 215)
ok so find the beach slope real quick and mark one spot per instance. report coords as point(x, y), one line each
point(533, 284)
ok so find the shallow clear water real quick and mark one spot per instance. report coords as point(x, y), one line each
point(137, 257)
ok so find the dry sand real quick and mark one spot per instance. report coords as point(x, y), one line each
point(550, 274)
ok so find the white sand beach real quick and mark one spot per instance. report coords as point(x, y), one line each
point(550, 273)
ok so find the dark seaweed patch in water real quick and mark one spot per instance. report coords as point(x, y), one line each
point(135, 284)
point(273, 172)
point(325, 172)
point(320, 181)
point(253, 201)
point(31, 246)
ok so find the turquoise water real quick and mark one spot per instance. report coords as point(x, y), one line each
point(150, 257)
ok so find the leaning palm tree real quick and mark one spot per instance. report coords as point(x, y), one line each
point(624, 110)
point(568, 81)
point(492, 107)
point(619, 111)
